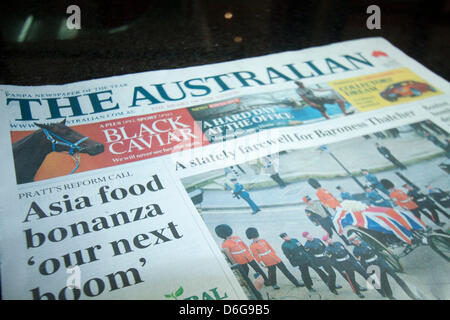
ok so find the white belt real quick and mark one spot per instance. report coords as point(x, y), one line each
point(343, 259)
point(371, 259)
point(239, 252)
point(446, 198)
point(319, 255)
point(265, 253)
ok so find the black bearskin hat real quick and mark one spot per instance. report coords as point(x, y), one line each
point(252, 233)
point(314, 183)
point(387, 183)
point(223, 231)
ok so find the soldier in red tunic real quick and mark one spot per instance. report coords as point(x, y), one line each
point(265, 255)
point(238, 252)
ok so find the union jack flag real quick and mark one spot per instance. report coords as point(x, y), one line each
point(385, 220)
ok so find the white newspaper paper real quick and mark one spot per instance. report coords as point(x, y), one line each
point(233, 144)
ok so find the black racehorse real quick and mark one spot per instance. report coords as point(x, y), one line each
point(30, 152)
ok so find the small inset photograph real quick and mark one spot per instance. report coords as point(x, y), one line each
point(379, 90)
point(364, 218)
point(55, 148)
point(408, 88)
point(237, 117)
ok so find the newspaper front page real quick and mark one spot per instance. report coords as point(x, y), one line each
point(312, 174)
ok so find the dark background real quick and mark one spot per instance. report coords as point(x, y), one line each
point(120, 37)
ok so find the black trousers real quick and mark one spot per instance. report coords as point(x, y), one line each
point(433, 211)
point(328, 268)
point(245, 269)
point(272, 271)
point(417, 213)
point(442, 211)
point(433, 208)
point(276, 177)
point(306, 277)
point(327, 224)
point(433, 217)
point(347, 269)
point(396, 162)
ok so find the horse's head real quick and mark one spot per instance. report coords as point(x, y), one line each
point(64, 138)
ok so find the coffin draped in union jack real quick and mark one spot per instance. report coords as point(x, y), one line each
point(380, 219)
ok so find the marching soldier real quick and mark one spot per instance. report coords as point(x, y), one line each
point(345, 195)
point(403, 200)
point(375, 198)
point(265, 255)
point(298, 257)
point(240, 192)
point(324, 196)
point(389, 156)
point(374, 182)
point(316, 249)
point(271, 167)
point(238, 252)
point(438, 143)
point(425, 203)
point(345, 263)
point(368, 257)
point(440, 196)
point(318, 215)
point(330, 203)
